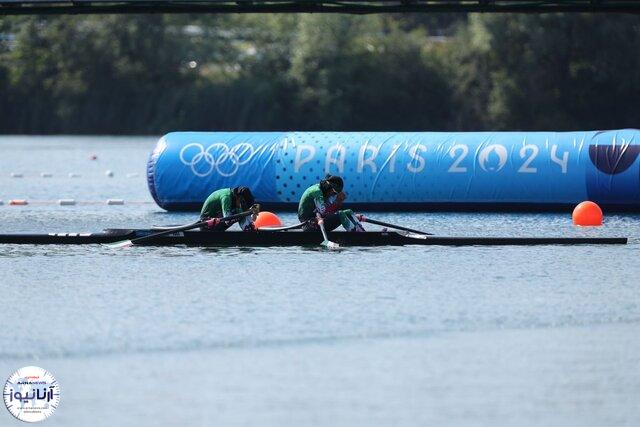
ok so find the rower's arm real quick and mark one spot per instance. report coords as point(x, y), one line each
point(227, 206)
point(321, 206)
point(324, 208)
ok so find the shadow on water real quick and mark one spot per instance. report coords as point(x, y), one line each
point(287, 250)
point(230, 250)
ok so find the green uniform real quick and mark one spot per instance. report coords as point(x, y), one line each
point(220, 204)
point(313, 202)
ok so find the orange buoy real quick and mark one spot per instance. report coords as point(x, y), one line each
point(587, 214)
point(267, 219)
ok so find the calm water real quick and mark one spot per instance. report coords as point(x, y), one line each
point(292, 336)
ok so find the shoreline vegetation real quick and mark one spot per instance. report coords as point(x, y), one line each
point(151, 74)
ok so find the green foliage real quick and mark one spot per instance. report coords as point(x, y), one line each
point(366, 73)
point(549, 71)
point(151, 74)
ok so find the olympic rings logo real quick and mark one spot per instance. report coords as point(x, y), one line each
point(218, 156)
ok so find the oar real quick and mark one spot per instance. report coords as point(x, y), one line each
point(326, 243)
point(170, 227)
point(126, 243)
point(282, 228)
point(397, 227)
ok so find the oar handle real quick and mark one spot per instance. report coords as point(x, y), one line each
point(252, 211)
point(397, 227)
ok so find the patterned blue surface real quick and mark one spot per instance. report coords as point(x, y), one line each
point(387, 168)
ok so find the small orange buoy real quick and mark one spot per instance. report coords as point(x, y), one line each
point(267, 219)
point(587, 214)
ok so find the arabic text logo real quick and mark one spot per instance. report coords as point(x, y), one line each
point(31, 394)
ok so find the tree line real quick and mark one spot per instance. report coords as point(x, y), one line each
point(150, 74)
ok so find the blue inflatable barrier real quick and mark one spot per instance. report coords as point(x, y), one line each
point(403, 170)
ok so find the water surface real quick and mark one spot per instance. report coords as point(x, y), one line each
point(302, 336)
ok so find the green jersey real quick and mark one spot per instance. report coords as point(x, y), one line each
point(313, 202)
point(219, 204)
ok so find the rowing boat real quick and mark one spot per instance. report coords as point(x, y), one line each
point(291, 238)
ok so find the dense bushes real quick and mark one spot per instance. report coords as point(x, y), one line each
point(151, 74)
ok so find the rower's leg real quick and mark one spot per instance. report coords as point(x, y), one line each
point(221, 226)
point(246, 224)
point(332, 221)
point(309, 224)
point(349, 221)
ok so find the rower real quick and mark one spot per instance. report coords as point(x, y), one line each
point(226, 202)
point(322, 202)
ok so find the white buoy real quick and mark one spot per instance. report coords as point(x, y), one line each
point(66, 202)
point(115, 202)
point(109, 173)
point(46, 175)
point(16, 175)
point(74, 175)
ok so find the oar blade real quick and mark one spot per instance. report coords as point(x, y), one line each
point(330, 245)
point(120, 244)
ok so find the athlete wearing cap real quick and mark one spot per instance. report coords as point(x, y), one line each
point(225, 202)
point(322, 202)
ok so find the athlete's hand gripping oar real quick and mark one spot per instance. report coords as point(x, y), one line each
point(327, 243)
point(125, 243)
point(397, 227)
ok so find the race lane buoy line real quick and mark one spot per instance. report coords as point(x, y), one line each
point(403, 170)
point(73, 202)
